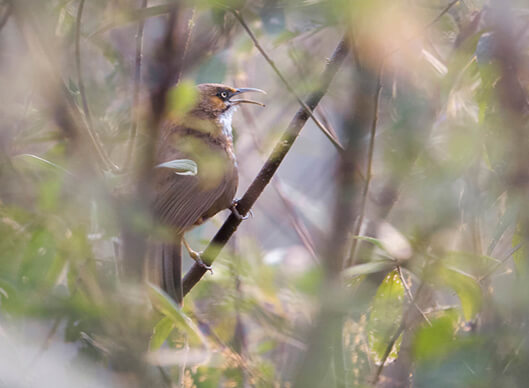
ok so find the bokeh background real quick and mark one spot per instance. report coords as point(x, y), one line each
point(394, 256)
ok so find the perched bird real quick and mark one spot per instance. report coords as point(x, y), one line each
point(204, 135)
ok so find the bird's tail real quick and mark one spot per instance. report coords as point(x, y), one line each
point(164, 267)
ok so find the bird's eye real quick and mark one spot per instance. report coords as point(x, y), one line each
point(224, 95)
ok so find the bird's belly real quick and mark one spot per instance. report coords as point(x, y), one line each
point(226, 198)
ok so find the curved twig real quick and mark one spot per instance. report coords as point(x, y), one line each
point(268, 170)
point(307, 109)
point(402, 326)
point(107, 163)
point(370, 153)
point(136, 89)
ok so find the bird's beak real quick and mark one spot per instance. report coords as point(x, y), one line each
point(243, 100)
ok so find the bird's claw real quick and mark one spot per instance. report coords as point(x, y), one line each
point(198, 259)
point(236, 213)
point(201, 263)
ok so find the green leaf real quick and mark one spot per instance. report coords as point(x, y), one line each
point(468, 262)
point(181, 166)
point(367, 268)
point(168, 307)
point(466, 287)
point(160, 333)
point(385, 317)
point(436, 340)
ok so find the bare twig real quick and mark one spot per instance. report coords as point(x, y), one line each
point(168, 65)
point(298, 226)
point(367, 181)
point(410, 295)
point(398, 332)
point(181, 374)
point(107, 163)
point(499, 264)
point(267, 171)
point(307, 109)
point(326, 335)
point(387, 352)
point(390, 192)
point(441, 14)
point(47, 341)
point(136, 89)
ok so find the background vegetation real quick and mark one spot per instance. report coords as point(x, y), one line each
point(389, 248)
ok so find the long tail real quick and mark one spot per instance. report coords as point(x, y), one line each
point(165, 268)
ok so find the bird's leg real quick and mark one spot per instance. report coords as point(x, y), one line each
point(236, 213)
point(196, 256)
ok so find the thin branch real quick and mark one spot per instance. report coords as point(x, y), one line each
point(390, 192)
point(370, 153)
point(47, 341)
point(182, 372)
point(410, 295)
point(298, 226)
point(168, 62)
point(307, 109)
point(387, 352)
point(270, 167)
point(397, 334)
point(442, 13)
point(328, 323)
point(136, 89)
point(499, 264)
point(107, 163)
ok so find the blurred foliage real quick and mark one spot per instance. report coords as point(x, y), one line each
point(439, 272)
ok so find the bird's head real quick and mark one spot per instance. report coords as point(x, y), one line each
point(217, 101)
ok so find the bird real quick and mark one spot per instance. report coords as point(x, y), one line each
point(179, 202)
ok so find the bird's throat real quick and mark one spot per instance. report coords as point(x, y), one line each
point(225, 122)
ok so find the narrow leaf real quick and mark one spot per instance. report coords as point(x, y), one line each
point(168, 307)
point(160, 333)
point(374, 241)
point(367, 268)
point(466, 287)
point(30, 160)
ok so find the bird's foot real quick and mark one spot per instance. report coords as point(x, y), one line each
point(197, 257)
point(200, 221)
point(236, 213)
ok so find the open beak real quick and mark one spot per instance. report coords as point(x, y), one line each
point(243, 100)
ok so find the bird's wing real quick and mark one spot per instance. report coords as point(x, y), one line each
point(180, 200)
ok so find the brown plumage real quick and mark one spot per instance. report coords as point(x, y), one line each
point(180, 202)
